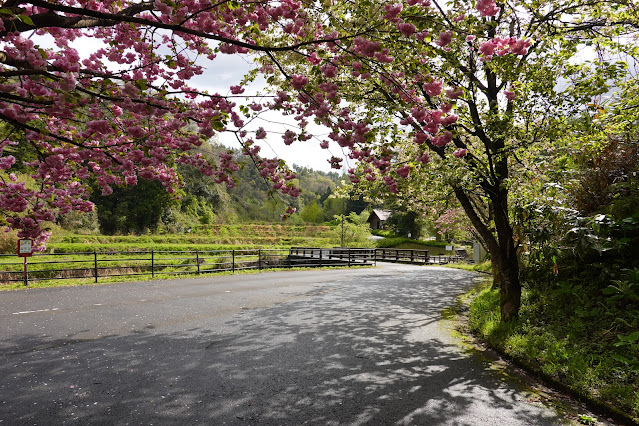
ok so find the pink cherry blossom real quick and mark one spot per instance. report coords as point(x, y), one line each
point(403, 171)
point(424, 158)
point(392, 11)
point(487, 7)
point(434, 87)
point(445, 38)
point(443, 139)
point(298, 81)
point(460, 152)
point(454, 93)
point(406, 28)
point(260, 134)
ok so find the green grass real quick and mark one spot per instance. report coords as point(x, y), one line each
point(386, 233)
point(435, 248)
point(561, 348)
point(480, 267)
point(132, 246)
point(209, 237)
point(394, 241)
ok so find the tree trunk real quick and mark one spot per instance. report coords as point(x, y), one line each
point(510, 287)
point(496, 275)
point(507, 260)
point(502, 250)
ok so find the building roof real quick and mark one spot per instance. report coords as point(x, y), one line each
point(382, 214)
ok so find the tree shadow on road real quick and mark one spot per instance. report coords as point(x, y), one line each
point(369, 351)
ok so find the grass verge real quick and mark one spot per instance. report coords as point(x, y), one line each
point(556, 349)
point(484, 267)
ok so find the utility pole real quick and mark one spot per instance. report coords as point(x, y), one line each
point(342, 239)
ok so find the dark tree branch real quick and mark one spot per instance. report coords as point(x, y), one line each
point(88, 18)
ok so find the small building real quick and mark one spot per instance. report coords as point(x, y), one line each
point(378, 218)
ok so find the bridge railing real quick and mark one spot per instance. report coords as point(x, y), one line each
point(402, 255)
point(334, 256)
point(373, 255)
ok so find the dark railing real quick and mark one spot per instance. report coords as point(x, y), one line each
point(95, 265)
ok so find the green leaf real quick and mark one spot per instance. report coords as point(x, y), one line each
point(620, 358)
point(141, 84)
point(26, 19)
point(218, 125)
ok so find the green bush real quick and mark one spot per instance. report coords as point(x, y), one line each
point(8, 242)
point(567, 338)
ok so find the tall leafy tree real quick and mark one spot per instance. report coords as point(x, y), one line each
point(471, 86)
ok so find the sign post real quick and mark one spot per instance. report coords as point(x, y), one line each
point(25, 249)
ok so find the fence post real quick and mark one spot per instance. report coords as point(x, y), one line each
point(152, 264)
point(95, 265)
point(349, 257)
point(233, 260)
point(26, 272)
point(412, 255)
point(320, 258)
point(197, 260)
point(259, 259)
point(290, 255)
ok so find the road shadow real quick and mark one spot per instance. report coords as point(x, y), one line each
point(361, 351)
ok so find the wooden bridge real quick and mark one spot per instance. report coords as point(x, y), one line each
point(315, 256)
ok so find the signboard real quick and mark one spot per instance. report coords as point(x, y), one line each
point(449, 248)
point(25, 247)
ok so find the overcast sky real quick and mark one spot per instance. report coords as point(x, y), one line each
point(228, 70)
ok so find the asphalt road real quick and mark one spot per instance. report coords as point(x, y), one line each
point(340, 347)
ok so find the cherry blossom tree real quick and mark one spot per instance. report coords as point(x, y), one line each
point(126, 110)
point(470, 86)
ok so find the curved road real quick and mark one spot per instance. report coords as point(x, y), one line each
point(338, 347)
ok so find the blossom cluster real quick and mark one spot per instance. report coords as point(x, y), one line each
point(128, 110)
point(427, 101)
point(123, 111)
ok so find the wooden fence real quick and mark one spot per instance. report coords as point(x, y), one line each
point(96, 265)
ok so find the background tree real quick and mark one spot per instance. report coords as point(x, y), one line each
point(134, 209)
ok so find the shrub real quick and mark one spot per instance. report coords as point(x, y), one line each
point(8, 242)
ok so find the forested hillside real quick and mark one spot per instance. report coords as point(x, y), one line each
point(148, 207)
